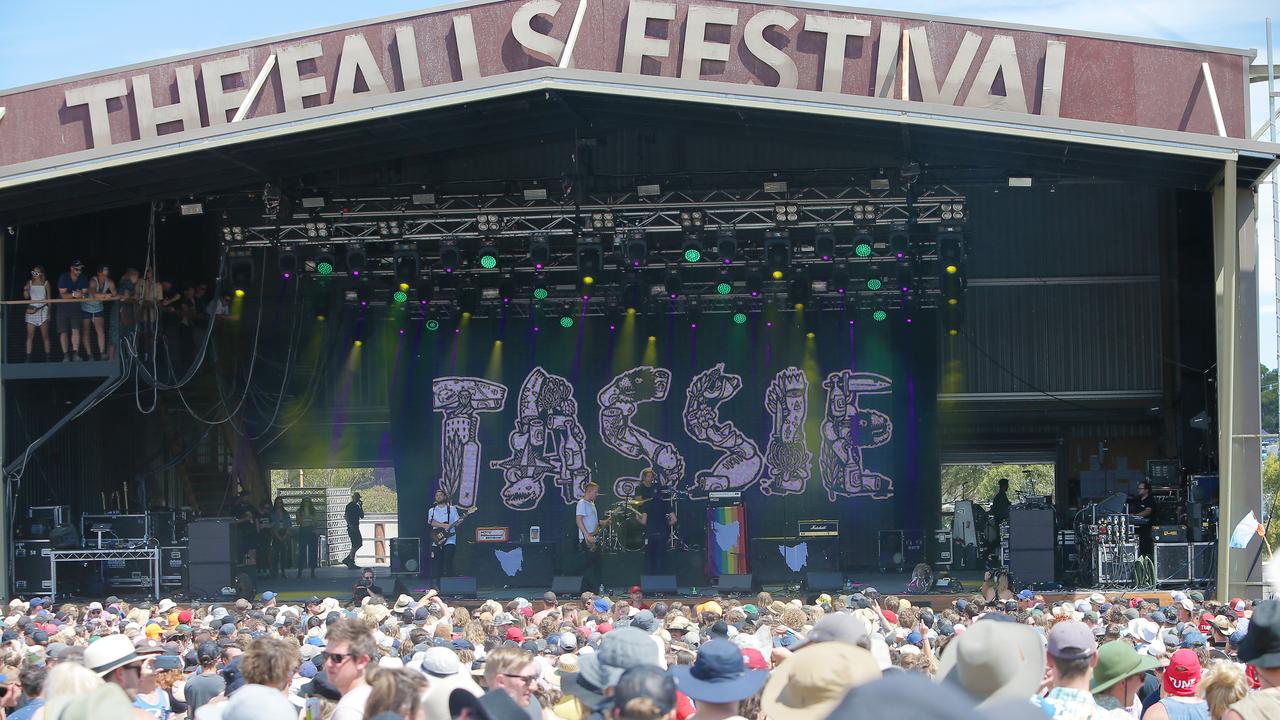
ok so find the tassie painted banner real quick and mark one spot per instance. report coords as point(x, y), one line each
point(845, 51)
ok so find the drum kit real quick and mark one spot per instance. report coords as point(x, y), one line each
point(625, 533)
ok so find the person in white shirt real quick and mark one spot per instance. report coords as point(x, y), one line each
point(588, 526)
point(444, 518)
point(349, 648)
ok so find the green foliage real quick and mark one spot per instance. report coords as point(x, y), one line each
point(1270, 486)
point(978, 482)
point(376, 485)
point(1270, 386)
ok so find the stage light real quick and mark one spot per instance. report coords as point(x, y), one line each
point(952, 288)
point(287, 262)
point(540, 293)
point(905, 278)
point(403, 286)
point(755, 281)
point(400, 296)
point(810, 335)
point(450, 257)
point(692, 220)
point(874, 284)
point(899, 241)
point(488, 256)
point(739, 318)
point(232, 233)
point(863, 243)
point(539, 250)
point(588, 280)
point(468, 299)
point(405, 258)
point(879, 316)
point(635, 253)
point(950, 250)
point(724, 287)
point(955, 211)
point(777, 274)
point(632, 294)
point(239, 292)
point(777, 249)
point(359, 343)
point(727, 243)
point(692, 251)
point(324, 267)
point(566, 321)
point(798, 290)
point(388, 229)
point(316, 229)
point(507, 289)
point(356, 260)
point(824, 242)
point(424, 291)
point(863, 211)
point(322, 262)
point(433, 325)
point(672, 284)
point(603, 221)
point(589, 258)
point(839, 280)
point(786, 213)
point(487, 223)
point(243, 268)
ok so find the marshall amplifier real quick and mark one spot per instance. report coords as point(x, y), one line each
point(818, 528)
point(1169, 533)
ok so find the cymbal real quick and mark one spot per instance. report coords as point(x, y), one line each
point(638, 502)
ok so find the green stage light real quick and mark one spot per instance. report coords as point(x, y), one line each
point(862, 249)
point(874, 284)
point(566, 321)
point(540, 293)
point(724, 288)
point(324, 268)
point(739, 318)
point(400, 296)
point(433, 325)
point(488, 262)
point(879, 315)
point(692, 255)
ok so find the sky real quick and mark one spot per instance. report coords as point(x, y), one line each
point(48, 40)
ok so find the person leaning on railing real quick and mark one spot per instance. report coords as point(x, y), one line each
point(37, 315)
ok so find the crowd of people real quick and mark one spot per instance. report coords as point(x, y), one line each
point(104, 307)
point(863, 655)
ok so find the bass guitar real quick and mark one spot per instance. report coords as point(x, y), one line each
point(440, 535)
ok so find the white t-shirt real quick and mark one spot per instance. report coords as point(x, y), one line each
point(351, 706)
point(447, 515)
point(587, 511)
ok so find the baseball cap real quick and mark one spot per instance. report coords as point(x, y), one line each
point(1071, 640)
point(268, 596)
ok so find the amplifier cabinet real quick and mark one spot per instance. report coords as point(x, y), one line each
point(32, 574)
point(173, 566)
point(1173, 564)
point(1204, 561)
point(1169, 533)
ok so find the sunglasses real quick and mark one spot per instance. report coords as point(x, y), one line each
point(36, 273)
point(335, 658)
point(522, 678)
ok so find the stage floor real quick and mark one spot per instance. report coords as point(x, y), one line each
point(337, 583)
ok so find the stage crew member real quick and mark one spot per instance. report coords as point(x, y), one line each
point(657, 515)
point(444, 519)
point(1144, 506)
point(588, 541)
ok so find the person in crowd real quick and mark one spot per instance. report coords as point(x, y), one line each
point(310, 523)
point(72, 285)
point(37, 290)
point(31, 678)
point(1222, 685)
point(281, 527)
point(718, 681)
point(511, 669)
point(101, 288)
point(398, 691)
point(354, 513)
point(205, 683)
point(1072, 653)
point(127, 292)
point(644, 693)
point(1118, 677)
point(1179, 686)
point(349, 648)
point(65, 683)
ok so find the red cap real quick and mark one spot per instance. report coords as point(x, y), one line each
point(1133, 602)
point(603, 628)
point(527, 611)
point(891, 616)
point(184, 617)
point(514, 633)
point(1251, 674)
point(635, 589)
point(1183, 674)
point(754, 659)
point(1206, 624)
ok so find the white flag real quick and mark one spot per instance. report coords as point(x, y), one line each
point(1245, 530)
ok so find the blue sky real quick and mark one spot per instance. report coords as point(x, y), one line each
point(48, 40)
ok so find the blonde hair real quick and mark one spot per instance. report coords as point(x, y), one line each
point(1223, 684)
point(641, 708)
point(270, 662)
point(504, 659)
point(66, 682)
point(397, 690)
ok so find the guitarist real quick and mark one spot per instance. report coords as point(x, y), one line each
point(588, 526)
point(444, 519)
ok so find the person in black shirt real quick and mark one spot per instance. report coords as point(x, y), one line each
point(1000, 502)
point(354, 514)
point(657, 515)
point(1144, 506)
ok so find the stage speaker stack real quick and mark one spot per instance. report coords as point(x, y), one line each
point(458, 587)
point(1173, 564)
point(566, 584)
point(1031, 546)
point(734, 583)
point(32, 572)
point(1204, 561)
point(406, 556)
point(211, 557)
point(655, 584)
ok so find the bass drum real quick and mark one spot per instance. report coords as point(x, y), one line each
point(630, 532)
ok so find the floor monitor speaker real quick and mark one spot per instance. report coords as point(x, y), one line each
point(734, 583)
point(823, 581)
point(566, 584)
point(654, 584)
point(458, 587)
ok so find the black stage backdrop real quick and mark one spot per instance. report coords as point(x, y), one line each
point(810, 417)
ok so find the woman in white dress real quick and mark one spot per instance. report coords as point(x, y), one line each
point(37, 288)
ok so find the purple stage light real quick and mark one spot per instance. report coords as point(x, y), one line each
point(900, 256)
point(693, 325)
point(612, 328)
point(355, 273)
point(287, 276)
point(401, 331)
point(537, 266)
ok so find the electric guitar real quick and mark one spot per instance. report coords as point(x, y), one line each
point(440, 535)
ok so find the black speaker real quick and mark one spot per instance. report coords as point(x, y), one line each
point(653, 584)
point(1173, 563)
point(206, 579)
point(211, 541)
point(1204, 561)
point(566, 584)
point(173, 566)
point(1030, 529)
point(823, 581)
point(406, 556)
point(32, 574)
point(734, 583)
point(1032, 566)
point(458, 587)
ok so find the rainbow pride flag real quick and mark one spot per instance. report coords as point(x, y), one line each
point(726, 541)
